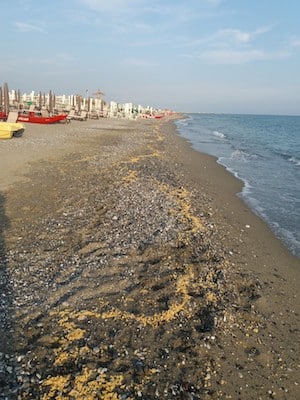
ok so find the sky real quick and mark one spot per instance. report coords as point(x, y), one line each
point(232, 56)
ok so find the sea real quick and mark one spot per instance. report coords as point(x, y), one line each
point(264, 152)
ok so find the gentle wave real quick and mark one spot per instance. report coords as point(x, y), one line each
point(184, 122)
point(295, 161)
point(222, 161)
point(263, 152)
point(288, 237)
point(219, 134)
point(242, 155)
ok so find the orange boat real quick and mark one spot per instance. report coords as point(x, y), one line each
point(36, 117)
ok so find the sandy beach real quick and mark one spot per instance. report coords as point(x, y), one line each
point(130, 269)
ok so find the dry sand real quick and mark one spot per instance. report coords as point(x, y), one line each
point(130, 269)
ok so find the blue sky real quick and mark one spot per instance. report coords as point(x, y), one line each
point(240, 56)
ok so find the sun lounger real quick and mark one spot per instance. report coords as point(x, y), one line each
point(82, 116)
point(77, 117)
point(71, 115)
point(12, 116)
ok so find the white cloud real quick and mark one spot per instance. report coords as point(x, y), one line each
point(116, 6)
point(229, 56)
point(239, 37)
point(25, 27)
point(215, 3)
point(295, 43)
point(170, 8)
point(233, 46)
point(226, 38)
point(56, 60)
point(235, 34)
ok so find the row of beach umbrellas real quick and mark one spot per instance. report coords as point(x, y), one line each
point(77, 101)
point(42, 101)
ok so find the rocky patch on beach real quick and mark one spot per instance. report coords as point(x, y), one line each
point(117, 285)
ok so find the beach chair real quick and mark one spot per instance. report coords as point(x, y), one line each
point(81, 117)
point(94, 115)
point(12, 116)
point(44, 113)
point(71, 115)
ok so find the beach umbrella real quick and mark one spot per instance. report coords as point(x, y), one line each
point(98, 94)
point(78, 103)
point(40, 100)
point(6, 99)
point(1, 98)
point(50, 102)
point(18, 97)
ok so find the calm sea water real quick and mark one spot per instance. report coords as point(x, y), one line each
point(264, 152)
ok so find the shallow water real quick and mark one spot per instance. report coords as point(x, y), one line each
point(264, 152)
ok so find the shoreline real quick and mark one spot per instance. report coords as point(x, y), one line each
point(252, 192)
point(132, 266)
point(228, 187)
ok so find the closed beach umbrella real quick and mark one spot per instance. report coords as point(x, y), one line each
point(40, 100)
point(6, 99)
point(18, 95)
point(98, 94)
point(78, 101)
point(50, 102)
point(1, 98)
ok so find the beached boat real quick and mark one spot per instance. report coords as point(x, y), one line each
point(37, 118)
point(153, 116)
point(10, 129)
point(3, 116)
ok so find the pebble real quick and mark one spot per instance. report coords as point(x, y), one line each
point(130, 250)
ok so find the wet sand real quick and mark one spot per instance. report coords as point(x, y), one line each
point(130, 269)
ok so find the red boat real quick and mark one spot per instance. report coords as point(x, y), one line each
point(37, 118)
point(3, 115)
